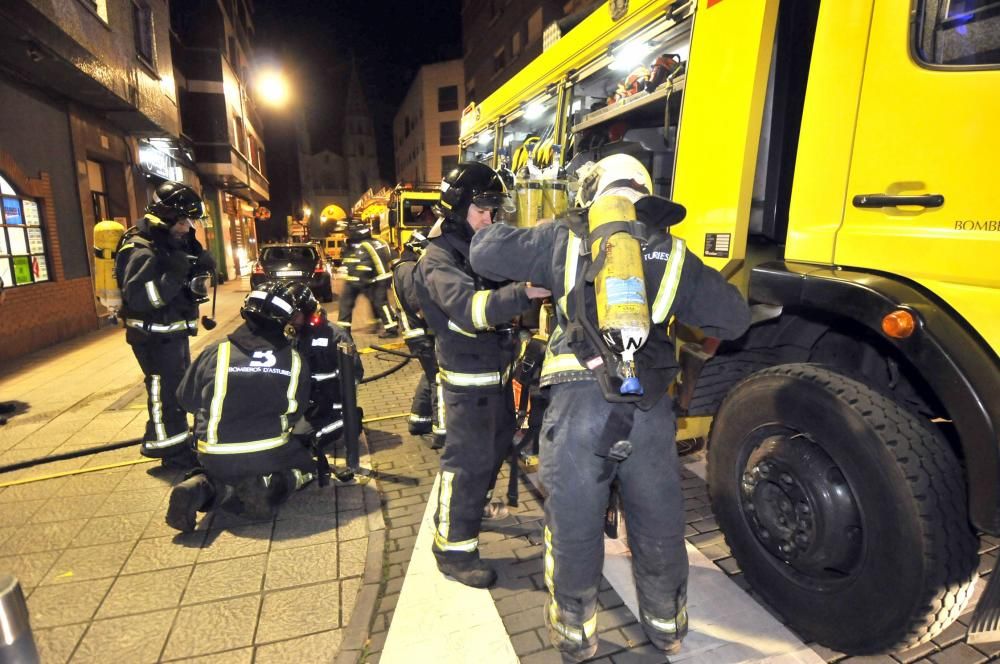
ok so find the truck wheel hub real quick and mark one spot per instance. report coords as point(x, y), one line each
point(800, 507)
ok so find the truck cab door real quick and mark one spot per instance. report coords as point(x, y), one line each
point(922, 200)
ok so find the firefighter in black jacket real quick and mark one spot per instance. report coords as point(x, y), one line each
point(247, 393)
point(426, 409)
point(368, 274)
point(577, 466)
point(156, 266)
point(474, 364)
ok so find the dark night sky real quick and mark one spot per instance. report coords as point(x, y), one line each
point(389, 39)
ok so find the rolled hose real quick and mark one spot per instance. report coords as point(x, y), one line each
point(97, 449)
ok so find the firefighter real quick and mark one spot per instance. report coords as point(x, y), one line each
point(475, 348)
point(247, 393)
point(159, 266)
point(368, 273)
point(426, 409)
point(577, 466)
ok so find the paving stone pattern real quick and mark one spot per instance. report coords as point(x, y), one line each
point(406, 468)
point(107, 580)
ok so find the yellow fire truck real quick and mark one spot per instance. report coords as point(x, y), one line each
point(395, 213)
point(834, 159)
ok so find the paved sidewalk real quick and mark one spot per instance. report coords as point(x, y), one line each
point(107, 580)
point(733, 624)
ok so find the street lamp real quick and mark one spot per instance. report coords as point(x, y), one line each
point(272, 88)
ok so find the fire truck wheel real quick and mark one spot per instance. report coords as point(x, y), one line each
point(846, 512)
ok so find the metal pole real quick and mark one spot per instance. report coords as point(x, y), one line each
point(17, 644)
point(346, 354)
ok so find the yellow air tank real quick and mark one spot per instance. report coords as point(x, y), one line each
point(622, 309)
point(106, 237)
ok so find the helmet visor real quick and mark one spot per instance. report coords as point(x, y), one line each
point(494, 200)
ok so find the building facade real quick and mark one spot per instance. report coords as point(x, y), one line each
point(426, 127)
point(500, 37)
point(213, 49)
point(360, 150)
point(88, 124)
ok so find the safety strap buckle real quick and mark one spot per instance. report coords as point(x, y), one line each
point(620, 451)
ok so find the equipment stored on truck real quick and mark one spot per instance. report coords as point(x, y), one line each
point(833, 163)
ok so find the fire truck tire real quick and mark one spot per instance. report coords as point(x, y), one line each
point(845, 511)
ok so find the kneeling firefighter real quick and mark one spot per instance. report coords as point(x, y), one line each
point(247, 393)
point(427, 407)
point(607, 367)
point(475, 348)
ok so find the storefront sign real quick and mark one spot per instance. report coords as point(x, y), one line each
point(154, 161)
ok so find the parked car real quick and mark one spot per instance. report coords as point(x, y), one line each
point(294, 262)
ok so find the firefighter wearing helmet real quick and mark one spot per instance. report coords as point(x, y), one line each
point(601, 427)
point(159, 266)
point(427, 407)
point(470, 318)
point(368, 274)
point(247, 393)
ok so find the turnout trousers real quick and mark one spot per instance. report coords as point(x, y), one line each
point(480, 431)
point(163, 360)
point(578, 482)
point(345, 308)
point(426, 413)
point(377, 293)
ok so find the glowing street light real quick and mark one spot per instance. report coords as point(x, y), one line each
point(273, 89)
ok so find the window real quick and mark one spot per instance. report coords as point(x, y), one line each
point(448, 98)
point(515, 44)
point(470, 89)
point(535, 26)
point(448, 162)
point(22, 242)
point(449, 133)
point(142, 25)
point(958, 32)
point(239, 135)
point(98, 192)
point(499, 60)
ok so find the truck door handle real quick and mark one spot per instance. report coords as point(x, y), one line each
point(885, 200)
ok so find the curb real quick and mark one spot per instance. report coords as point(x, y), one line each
point(355, 635)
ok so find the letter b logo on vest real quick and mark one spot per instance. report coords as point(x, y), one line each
point(263, 358)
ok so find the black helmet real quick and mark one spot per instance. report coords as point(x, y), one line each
point(471, 182)
point(358, 231)
point(175, 201)
point(272, 305)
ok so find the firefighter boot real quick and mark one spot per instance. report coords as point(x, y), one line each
point(188, 498)
point(570, 633)
point(471, 572)
point(418, 425)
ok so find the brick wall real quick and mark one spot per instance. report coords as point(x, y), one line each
point(36, 316)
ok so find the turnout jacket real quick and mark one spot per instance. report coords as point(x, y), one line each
point(246, 393)
point(157, 301)
point(463, 310)
point(368, 262)
point(677, 284)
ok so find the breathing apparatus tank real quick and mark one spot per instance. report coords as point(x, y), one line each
point(107, 235)
point(623, 318)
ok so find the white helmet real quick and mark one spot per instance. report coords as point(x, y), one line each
point(619, 174)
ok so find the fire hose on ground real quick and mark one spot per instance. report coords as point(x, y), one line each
point(352, 426)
